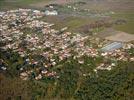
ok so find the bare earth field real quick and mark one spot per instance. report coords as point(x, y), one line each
point(121, 37)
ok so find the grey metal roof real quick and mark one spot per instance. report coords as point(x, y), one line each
point(112, 46)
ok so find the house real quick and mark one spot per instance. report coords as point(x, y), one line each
point(53, 12)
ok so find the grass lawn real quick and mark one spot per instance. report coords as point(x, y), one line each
point(75, 22)
point(128, 16)
point(14, 4)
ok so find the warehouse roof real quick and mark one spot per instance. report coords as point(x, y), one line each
point(112, 46)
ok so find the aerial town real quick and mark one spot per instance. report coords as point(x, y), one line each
point(37, 53)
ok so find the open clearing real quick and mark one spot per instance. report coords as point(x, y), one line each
point(121, 37)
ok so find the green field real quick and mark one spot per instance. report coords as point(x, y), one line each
point(128, 16)
point(14, 4)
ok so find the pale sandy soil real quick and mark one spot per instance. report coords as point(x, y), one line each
point(121, 37)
